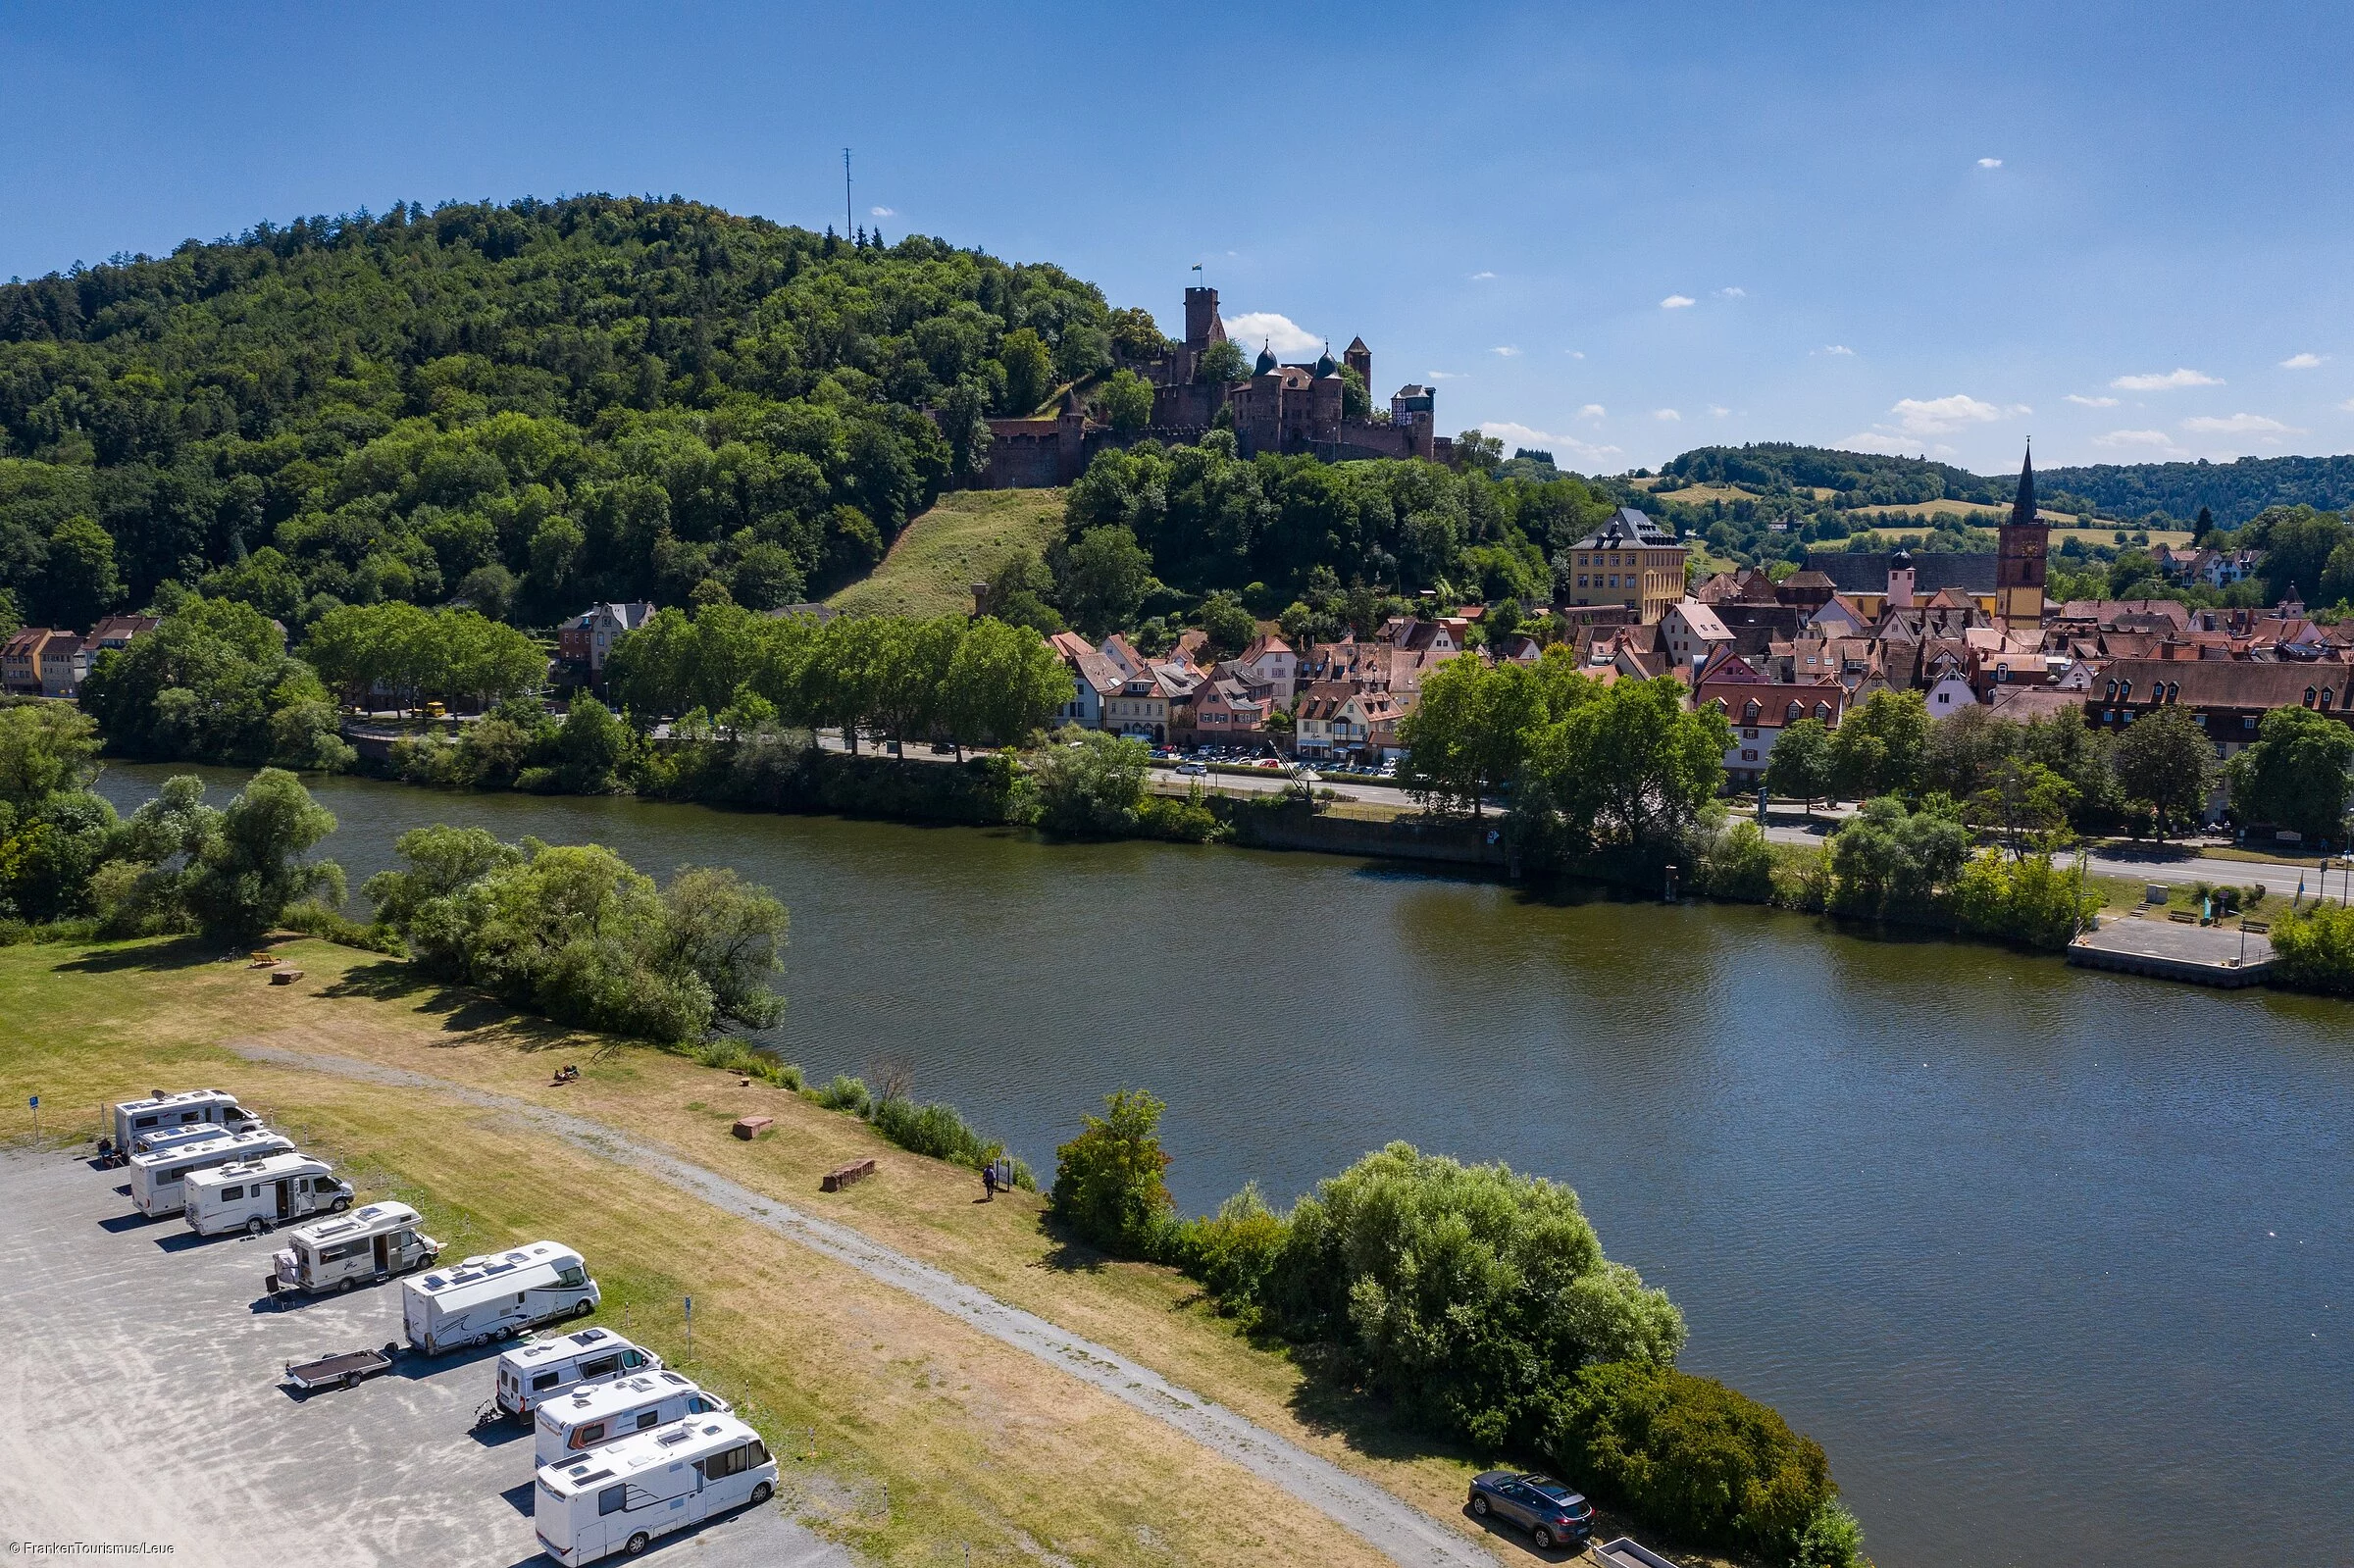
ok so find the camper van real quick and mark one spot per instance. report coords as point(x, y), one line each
point(197, 1106)
point(533, 1372)
point(157, 1180)
point(496, 1297)
point(620, 1498)
point(371, 1242)
point(595, 1414)
point(252, 1196)
point(171, 1138)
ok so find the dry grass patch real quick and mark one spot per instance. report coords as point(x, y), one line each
point(962, 540)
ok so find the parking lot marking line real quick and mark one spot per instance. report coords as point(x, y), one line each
point(1393, 1526)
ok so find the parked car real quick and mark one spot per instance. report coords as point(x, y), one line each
point(1193, 769)
point(1550, 1513)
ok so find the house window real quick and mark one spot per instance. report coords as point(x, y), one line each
point(2173, 689)
point(2309, 697)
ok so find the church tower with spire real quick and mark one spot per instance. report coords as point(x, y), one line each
point(2020, 561)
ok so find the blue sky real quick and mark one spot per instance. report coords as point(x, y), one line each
point(1619, 231)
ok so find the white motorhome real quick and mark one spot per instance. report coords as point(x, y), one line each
point(532, 1373)
point(157, 1180)
point(171, 1138)
point(620, 1498)
point(252, 1196)
point(371, 1242)
point(213, 1106)
point(595, 1414)
point(496, 1295)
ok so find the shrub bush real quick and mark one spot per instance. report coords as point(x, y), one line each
point(1464, 1291)
point(1107, 1181)
point(932, 1130)
point(747, 1061)
point(846, 1093)
point(2030, 900)
point(315, 919)
point(2315, 950)
point(1232, 1251)
point(1736, 863)
point(1186, 821)
point(1690, 1455)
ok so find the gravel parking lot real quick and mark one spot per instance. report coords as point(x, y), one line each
point(146, 1406)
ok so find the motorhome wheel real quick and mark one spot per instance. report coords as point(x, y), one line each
point(256, 1226)
point(580, 1309)
point(504, 1334)
point(340, 1205)
point(636, 1543)
point(343, 1286)
point(762, 1493)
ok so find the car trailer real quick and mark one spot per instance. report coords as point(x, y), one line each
point(341, 1370)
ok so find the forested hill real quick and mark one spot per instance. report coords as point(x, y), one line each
point(539, 404)
point(2153, 492)
point(2233, 492)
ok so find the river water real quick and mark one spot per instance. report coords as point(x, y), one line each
point(2056, 1264)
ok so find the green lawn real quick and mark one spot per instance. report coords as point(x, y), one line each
point(964, 540)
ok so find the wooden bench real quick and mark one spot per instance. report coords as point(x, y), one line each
point(2261, 927)
point(748, 1128)
point(285, 976)
point(843, 1176)
point(2182, 917)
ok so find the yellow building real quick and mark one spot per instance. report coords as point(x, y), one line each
point(1629, 560)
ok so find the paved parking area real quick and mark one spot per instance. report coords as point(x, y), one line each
point(143, 1404)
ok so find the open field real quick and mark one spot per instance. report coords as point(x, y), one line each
point(928, 1433)
point(2179, 538)
point(962, 540)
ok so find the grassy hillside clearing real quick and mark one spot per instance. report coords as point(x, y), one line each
point(962, 540)
point(927, 1433)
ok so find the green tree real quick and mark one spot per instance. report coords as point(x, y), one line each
point(1465, 1293)
point(79, 581)
point(1878, 748)
point(245, 864)
point(1090, 783)
point(1127, 399)
point(1471, 732)
point(1886, 860)
point(1003, 685)
point(592, 747)
point(1630, 764)
point(1357, 400)
point(1028, 369)
point(2026, 802)
point(2297, 542)
point(1226, 622)
point(1101, 579)
point(1135, 335)
point(1018, 592)
point(2315, 950)
point(2295, 775)
point(1801, 766)
point(45, 749)
point(1109, 1185)
point(1223, 361)
point(2164, 758)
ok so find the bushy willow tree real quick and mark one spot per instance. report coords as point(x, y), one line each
point(577, 935)
point(412, 654)
point(213, 683)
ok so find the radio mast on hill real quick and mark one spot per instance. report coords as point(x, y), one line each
point(845, 192)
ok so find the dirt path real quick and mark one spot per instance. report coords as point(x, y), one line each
point(1394, 1526)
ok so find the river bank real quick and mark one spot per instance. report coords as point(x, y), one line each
point(1930, 1199)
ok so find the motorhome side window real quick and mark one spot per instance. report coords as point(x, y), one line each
point(735, 1461)
point(604, 1366)
point(544, 1381)
point(610, 1500)
point(590, 1436)
point(230, 1194)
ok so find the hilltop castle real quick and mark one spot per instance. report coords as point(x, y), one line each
point(1277, 408)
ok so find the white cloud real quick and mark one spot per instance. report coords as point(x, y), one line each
point(1990, 163)
point(1719, 410)
point(1278, 332)
point(2134, 439)
point(1677, 302)
point(885, 212)
point(1575, 353)
point(2302, 362)
point(1445, 376)
point(2347, 406)
point(1507, 350)
point(2239, 425)
point(1512, 434)
point(1837, 349)
point(1732, 293)
point(1881, 440)
point(1934, 416)
point(1665, 413)
point(1592, 411)
point(2092, 402)
point(1481, 277)
point(2167, 381)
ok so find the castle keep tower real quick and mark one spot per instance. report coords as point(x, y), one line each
point(2020, 560)
point(1358, 357)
